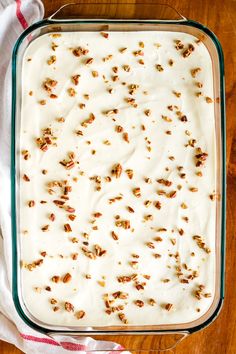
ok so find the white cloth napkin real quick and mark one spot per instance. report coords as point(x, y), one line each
point(15, 16)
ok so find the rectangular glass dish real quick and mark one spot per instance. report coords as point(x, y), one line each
point(200, 32)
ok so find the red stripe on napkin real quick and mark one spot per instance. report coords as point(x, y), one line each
point(65, 345)
point(20, 16)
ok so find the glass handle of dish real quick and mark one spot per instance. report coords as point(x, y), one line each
point(118, 343)
point(116, 10)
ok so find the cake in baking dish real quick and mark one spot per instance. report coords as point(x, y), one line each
point(117, 178)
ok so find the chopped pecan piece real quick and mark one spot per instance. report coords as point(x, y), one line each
point(137, 192)
point(119, 129)
point(159, 67)
point(45, 228)
point(114, 236)
point(139, 303)
point(150, 245)
point(52, 59)
point(71, 92)
point(126, 137)
point(75, 79)
point(67, 228)
point(88, 253)
point(178, 44)
point(209, 100)
point(56, 279)
point(157, 205)
point(172, 194)
point(152, 302)
point(117, 170)
point(123, 223)
point(120, 295)
point(130, 210)
point(130, 173)
point(89, 61)
point(97, 215)
point(126, 68)
point(188, 51)
point(26, 178)
point(195, 71)
point(67, 278)
point(69, 307)
point(99, 251)
point(80, 314)
point(147, 112)
point(165, 182)
point(123, 318)
point(31, 203)
point(105, 34)
point(124, 279)
point(26, 154)
point(169, 306)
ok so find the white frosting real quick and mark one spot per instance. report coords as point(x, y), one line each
point(87, 294)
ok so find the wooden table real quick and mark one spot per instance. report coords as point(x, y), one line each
point(220, 17)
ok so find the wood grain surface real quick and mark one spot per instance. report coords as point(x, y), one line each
point(220, 17)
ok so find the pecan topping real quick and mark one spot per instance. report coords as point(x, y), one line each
point(56, 279)
point(152, 302)
point(99, 251)
point(120, 295)
point(157, 205)
point(169, 306)
point(150, 245)
point(67, 228)
point(195, 71)
point(130, 210)
point(117, 170)
point(165, 182)
point(201, 243)
point(26, 178)
point(52, 60)
point(159, 67)
point(26, 154)
point(139, 303)
point(104, 34)
point(89, 61)
point(97, 215)
point(88, 253)
point(75, 79)
point(124, 279)
point(193, 189)
point(67, 278)
point(114, 236)
point(126, 68)
point(80, 314)
point(213, 196)
point(123, 223)
point(71, 92)
point(130, 173)
point(119, 129)
point(31, 203)
point(147, 112)
point(178, 44)
point(137, 192)
point(209, 100)
point(123, 318)
point(69, 307)
point(45, 228)
point(126, 137)
point(172, 194)
point(188, 51)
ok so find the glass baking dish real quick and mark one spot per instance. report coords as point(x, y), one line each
point(114, 21)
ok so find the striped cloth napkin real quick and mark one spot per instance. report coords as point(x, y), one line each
point(15, 16)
